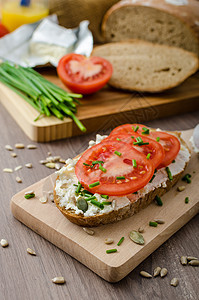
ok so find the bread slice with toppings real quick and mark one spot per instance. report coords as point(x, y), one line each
point(121, 207)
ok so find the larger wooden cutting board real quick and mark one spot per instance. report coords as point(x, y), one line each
point(47, 221)
point(105, 109)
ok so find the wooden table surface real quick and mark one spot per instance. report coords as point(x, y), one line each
point(23, 276)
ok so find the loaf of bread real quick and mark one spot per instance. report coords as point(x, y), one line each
point(169, 22)
point(147, 67)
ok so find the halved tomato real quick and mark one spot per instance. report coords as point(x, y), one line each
point(113, 168)
point(84, 75)
point(3, 30)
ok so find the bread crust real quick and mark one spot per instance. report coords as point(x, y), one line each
point(123, 212)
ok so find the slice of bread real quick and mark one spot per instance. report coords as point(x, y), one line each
point(147, 67)
point(158, 21)
point(133, 203)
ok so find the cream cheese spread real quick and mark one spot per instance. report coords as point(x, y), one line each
point(66, 185)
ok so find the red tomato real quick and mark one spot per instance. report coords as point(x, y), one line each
point(153, 150)
point(119, 176)
point(3, 30)
point(84, 75)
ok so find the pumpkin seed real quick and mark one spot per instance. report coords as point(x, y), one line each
point(32, 146)
point(13, 154)
point(43, 162)
point(194, 262)
point(136, 237)
point(145, 274)
point(8, 170)
point(57, 166)
point(82, 204)
point(159, 221)
point(4, 243)
point(58, 280)
point(18, 168)
point(181, 188)
point(29, 192)
point(62, 161)
point(19, 146)
point(88, 231)
point(43, 199)
point(192, 258)
point(31, 252)
point(183, 260)
point(8, 147)
point(28, 165)
point(140, 229)
point(156, 271)
point(163, 272)
point(50, 165)
point(174, 282)
point(49, 159)
point(108, 241)
point(18, 179)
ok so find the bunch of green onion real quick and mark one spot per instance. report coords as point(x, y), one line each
point(47, 98)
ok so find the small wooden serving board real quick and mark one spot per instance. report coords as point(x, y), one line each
point(104, 109)
point(47, 221)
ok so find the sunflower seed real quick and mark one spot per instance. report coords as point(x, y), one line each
point(18, 179)
point(19, 146)
point(163, 272)
point(18, 168)
point(43, 162)
point(57, 166)
point(136, 237)
point(156, 271)
point(51, 196)
point(194, 262)
point(159, 221)
point(192, 258)
point(108, 241)
point(145, 274)
point(4, 243)
point(43, 199)
point(62, 161)
point(13, 154)
point(58, 280)
point(8, 170)
point(183, 260)
point(32, 146)
point(29, 192)
point(88, 231)
point(50, 165)
point(28, 165)
point(49, 159)
point(174, 282)
point(140, 229)
point(31, 252)
point(181, 188)
point(49, 153)
point(56, 158)
point(8, 147)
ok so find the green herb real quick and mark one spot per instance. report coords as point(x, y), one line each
point(148, 155)
point(136, 128)
point(28, 196)
point(94, 184)
point(87, 192)
point(118, 153)
point(153, 224)
point(120, 177)
point(145, 130)
point(152, 178)
point(132, 137)
point(102, 169)
point(139, 142)
point(90, 198)
point(87, 165)
point(158, 200)
point(118, 139)
point(158, 139)
point(106, 202)
point(187, 178)
point(187, 200)
point(120, 241)
point(173, 161)
point(95, 162)
point(44, 96)
point(135, 193)
point(96, 203)
point(105, 196)
point(169, 173)
point(111, 250)
point(75, 184)
point(78, 188)
point(134, 163)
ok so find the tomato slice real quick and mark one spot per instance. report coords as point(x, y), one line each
point(84, 75)
point(3, 30)
point(150, 148)
point(119, 176)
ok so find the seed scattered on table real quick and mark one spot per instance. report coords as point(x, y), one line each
point(57, 166)
point(194, 262)
point(145, 274)
point(8, 170)
point(174, 282)
point(18, 168)
point(136, 237)
point(19, 146)
point(4, 243)
point(181, 188)
point(13, 154)
point(18, 179)
point(30, 251)
point(88, 231)
point(49, 153)
point(32, 146)
point(58, 280)
point(43, 199)
point(183, 260)
point(159, 221)
point(43, 161)
point(51, 196)
point(192, 258)
point(140, 229)
point(62, 161)
point(163, 272)
point(28, 165)
point(108, 241)
point(50, 165)
point(8, 147)
point(156, 271)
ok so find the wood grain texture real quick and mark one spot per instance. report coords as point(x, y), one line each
point(25, 277)
point(106, 108)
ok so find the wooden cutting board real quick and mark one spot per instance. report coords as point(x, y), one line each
point(104, 110)
point(47, 221)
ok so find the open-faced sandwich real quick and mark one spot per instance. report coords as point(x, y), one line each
point(120, 174)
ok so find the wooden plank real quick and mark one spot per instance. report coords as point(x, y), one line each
point(46, 220)
point(105, 109)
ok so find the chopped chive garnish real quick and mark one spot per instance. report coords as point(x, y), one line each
point(153, 224)
point(75, 184)
point(118, 139)
point(106, 202)
point(158, 200)
point(135, 193)
point(139, 142)
point(88, 195)
point(111, 250)
point(87, 192)
point(78, 188)
point(173, 161)
point(158, 139)
point(148, 155)
point(28, 196)
point(90, 198)
point(102, 169)
point(134, 163)
point(187, 178)
point(98, 204)
point(118, 153)
point(152, 178)
point(87, 165)
point(145, 130)
point(120, 177)
point(120, 241)
point(169, 173)
point(105, 196)
point(136, 128)
point(94, 184)
point(132, 137)
point(95, 162)
point(187, 200)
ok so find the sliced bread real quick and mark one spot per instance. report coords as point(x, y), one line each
point(147, 67)
point(169, 22)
